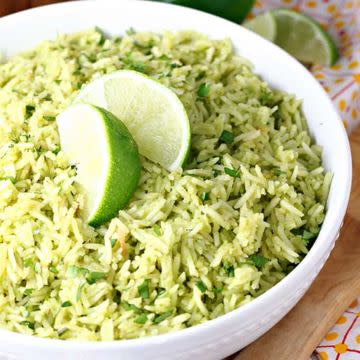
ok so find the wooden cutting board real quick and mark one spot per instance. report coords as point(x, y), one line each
point(338, 284)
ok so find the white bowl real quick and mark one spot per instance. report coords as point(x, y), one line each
point(225, 335)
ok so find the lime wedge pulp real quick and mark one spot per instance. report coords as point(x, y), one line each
point(298, 34)
point(154, 115)
point(304, 38)
point(106, 158)
point(264, 25)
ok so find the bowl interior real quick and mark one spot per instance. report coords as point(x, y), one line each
point(26, 29)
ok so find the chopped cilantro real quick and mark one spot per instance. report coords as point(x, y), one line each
point(28, 292)
point(258, 260)
point(143, 290)
point(49, 118)
point(204, 196)
point(308, 235)
point(160, 291)
point(113, 242)
point(130, 31)
point(277, 171)
point(157, 230)
point(29, 262)
point(29, 324)
point(200, 76)
point(147, 46)
point(93, 277)
point(161, 317)
point(29, 110)
point(102, 35)
point(74, 271)
point(56, 150)
point(47, 97)
point(79, 291)
point(141, 319)
point(53, 269)
point(229, 269)
point(232, 172)
point(216, 291)
point(203, 90)
point(130, 307)
point(201, 286)
point(66, 304)
point(164, 57)
point(226, 137)
point(10, 178)
point(117, 297)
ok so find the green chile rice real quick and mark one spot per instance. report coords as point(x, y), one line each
point(191, 245)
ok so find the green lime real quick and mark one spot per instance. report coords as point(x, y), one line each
point(304, 38)
point(154, 115)
point(234, 10)
point(264, 25)
point(106, 158)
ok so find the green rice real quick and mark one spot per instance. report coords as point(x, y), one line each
point(191, 245)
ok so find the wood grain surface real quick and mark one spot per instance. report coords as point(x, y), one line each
point(338, 284)
point(10, 6)
point(297, 335)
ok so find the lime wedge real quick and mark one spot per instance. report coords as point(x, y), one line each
point(304, 38)
point(264, 25)
point(106, 158)
point(154, 115)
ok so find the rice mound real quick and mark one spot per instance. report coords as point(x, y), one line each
point(191, 245)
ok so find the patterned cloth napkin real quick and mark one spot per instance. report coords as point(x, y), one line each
point(341, 18)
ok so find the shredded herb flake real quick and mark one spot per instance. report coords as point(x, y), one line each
point(227, 137)
point(53, 269)
point(102, 35)
point(113, 242)
point(232, 172)
point(49, 118)
point(141, 319)
point(161, 317)
point(66, 304)
point(277, 171)
point(29, 324)
point(28, 292)
point(204, 196)
point(10, 178)
point(258, 260)
point(203, 90)
point(29, 262)
point(130, 307)
point(201, 286)
point(117, 297)
point(29, 110)
point(93, 277)
point(130, 31)
point(143, 290)
point(229, 269)
point(79, 291)
point(157, 229)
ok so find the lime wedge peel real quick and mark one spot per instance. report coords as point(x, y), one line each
point(153, 114)
point(106, 158)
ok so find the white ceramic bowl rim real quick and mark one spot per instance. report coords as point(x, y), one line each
point(313, 256)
